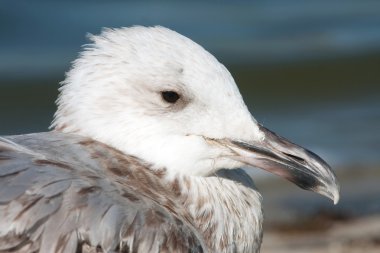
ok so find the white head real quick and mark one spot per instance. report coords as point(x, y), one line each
point(155, 94)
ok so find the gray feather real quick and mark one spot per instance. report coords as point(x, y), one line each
point(65, 193)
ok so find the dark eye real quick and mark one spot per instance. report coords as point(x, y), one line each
point(170, 96)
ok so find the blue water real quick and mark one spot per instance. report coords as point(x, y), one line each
point(43, 35)
point(343, 133)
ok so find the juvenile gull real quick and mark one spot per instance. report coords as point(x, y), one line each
point(146, 119)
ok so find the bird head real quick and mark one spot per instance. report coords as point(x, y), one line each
point(155, 94)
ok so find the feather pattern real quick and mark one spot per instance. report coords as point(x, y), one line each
point(66, 193)
point(50, 205)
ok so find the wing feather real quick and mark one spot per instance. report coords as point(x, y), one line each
point(56, 195)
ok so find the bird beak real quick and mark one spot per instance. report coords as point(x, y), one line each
point(281, 157)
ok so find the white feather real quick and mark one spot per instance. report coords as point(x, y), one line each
point(112, 94)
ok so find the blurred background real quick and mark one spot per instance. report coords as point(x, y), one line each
point(309, 70)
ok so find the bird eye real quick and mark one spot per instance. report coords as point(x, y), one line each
point(170, 96)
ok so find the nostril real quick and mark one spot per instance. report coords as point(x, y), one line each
point(297, 158)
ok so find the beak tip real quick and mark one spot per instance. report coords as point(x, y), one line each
point(336, 199)
point(332, 192)
point(335, 189)
point(336, 195)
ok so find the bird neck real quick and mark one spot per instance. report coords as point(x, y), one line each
point(225, 209)
point(226, 212)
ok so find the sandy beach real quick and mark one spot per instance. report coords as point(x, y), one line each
point(361, 235)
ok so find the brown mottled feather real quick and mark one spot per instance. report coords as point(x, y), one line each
point(65, 193)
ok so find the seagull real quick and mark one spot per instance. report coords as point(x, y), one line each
point(144, 155)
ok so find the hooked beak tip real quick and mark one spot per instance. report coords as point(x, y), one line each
point(333, 193)
point(336, 199)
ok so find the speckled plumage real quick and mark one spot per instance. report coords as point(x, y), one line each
point(60, 192)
